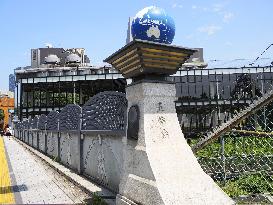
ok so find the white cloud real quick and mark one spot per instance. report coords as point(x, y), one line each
point(210, 30)
point(48, 45)
point(177, 6)
point(217, 7)
point(194, 7)
point(228, 43)
point(228, 16)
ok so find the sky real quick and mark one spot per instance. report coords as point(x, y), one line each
point(226, 29)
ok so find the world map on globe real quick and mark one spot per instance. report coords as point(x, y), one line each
point(153, 24)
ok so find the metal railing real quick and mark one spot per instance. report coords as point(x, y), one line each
point(238, 154)
point(208, 97)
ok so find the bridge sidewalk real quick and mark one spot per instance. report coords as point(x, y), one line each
point(25, 178)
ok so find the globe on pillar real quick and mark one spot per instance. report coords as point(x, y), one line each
point(153, 24)
point(150, 56)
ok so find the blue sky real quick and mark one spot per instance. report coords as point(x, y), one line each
point(226, 29)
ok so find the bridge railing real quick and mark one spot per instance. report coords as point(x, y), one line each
point(86, 139)
point(239, 153)
point(208, 97)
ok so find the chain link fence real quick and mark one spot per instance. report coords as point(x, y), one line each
point(241, 160)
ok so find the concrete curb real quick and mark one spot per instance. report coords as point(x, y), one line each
point(80, 181)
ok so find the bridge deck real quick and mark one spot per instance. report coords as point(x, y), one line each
point(25, 178)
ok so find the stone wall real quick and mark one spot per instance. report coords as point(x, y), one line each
point(95, 154)
point(86, 139)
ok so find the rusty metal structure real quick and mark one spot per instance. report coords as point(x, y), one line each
point(6, 105)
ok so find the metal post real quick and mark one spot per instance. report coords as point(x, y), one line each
point(53, 96)
point(32, 135)
point(45, 151)
point(27, 106)
point(21, 101)
point(59, 141)
point(80, 147)
point(38, 139)
point(264, 108)
point(74, 93)
point(17, 101)
point(80, 94)
point(59, 95)
point(223, 158)
point(33, 100)
point(218, 98)
point(47, 96)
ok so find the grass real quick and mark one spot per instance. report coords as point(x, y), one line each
point(238, 145)
point(56, 159)
point(97, 200)
point(248, 184)
point(248, 163)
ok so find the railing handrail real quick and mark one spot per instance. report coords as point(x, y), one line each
point(217, 132)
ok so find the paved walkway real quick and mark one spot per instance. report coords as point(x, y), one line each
point(24, 178)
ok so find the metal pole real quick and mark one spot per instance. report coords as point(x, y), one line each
point(218, 98)
point(264, 109)
point(80, 147)
point(27, 112)
point(223, 158)
point(58, 142)
point(21, 101)
point(17, 100)
point(74, 93)
point(47, 95)
point(59, 96)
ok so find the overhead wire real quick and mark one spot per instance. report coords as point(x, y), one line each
point(261, 55)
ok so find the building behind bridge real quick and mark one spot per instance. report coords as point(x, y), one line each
point(205, 96)
point(6, 108)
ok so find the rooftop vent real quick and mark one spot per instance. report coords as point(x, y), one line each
point(52, 60)
point(73, 59)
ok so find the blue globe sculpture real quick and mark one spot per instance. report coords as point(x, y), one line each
point(153, 24)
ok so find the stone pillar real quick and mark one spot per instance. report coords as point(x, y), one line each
point(159, 167)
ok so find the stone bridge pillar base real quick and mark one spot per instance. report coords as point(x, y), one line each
point(159, 167)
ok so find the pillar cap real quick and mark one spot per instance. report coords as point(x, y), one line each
point(140, 58)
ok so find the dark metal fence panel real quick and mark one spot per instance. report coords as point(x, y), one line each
point(52, 120)
point(17, 125)
point(25, 124)
point(69, 118)
point(205, 96)
point(105, 111)
point(30, 123)
point(42, 122)
point(34, 123)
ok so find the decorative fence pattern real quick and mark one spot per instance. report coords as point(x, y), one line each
point(88, 139)
point(104, 111)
